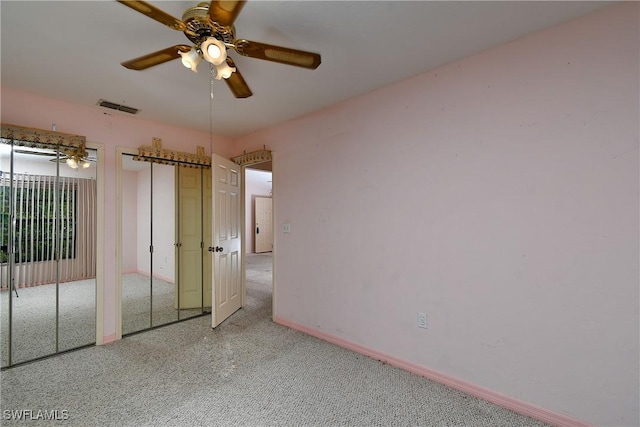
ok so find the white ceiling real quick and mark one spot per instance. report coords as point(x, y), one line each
point(72, 50)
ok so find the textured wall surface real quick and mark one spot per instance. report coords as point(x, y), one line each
point(498, 194)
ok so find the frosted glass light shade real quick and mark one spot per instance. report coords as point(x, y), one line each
point(191, 59)
point(214, 51)
point(223, 71)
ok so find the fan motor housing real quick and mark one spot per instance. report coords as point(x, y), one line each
point(199, 26)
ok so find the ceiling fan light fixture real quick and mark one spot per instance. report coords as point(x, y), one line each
point(224, 71)
point(85, 164)
point(71, 162)
point(191, 59)
point(214, 51)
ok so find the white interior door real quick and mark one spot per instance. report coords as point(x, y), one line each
point(263, 229)
point(208, 237)
point(226, 246)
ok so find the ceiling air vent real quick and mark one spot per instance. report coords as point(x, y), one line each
point(119, 107)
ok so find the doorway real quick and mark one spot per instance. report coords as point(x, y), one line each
point(48, 231)
point(258, 210)
point(259, 230)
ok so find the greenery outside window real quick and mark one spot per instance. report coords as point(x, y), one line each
point(38, 228)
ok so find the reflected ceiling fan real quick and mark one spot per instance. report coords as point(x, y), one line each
point(75, 160)
point(209, 26)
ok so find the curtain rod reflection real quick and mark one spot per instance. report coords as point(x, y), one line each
point(156, 154)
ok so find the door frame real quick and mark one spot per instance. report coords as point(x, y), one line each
point(118, 294)
point(100, 223)
point(247, 210)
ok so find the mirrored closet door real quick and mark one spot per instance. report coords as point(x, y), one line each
point(162, 243)
point(47, 251)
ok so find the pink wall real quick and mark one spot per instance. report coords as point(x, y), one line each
point(112, 129)
point(498, 194)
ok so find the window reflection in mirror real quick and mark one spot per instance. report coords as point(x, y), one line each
point(47, 252)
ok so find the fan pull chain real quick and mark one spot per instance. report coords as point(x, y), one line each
point(213, 76)
point(212, 69)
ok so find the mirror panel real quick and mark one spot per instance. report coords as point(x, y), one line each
point(48, 214)
point(77, 289)
point(136, 238)
point(162, 218)
point(164, 245)
point(5, 292)
point(40, 212)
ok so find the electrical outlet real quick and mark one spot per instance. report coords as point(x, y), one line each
point(422, 320)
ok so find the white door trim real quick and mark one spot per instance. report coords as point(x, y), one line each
point(273, 231)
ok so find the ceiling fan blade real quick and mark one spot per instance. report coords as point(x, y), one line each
point(236, 82)
point(279, 54)
point(154, 13)
point(156, 58)
point(35, 153)
point(225, 12)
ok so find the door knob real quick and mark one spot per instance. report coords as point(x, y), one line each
point(216, 249)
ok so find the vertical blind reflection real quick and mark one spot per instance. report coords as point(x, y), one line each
point(48, 232)
point(50, 218)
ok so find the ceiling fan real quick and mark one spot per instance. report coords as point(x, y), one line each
point(73, 159)
point(209, 26)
